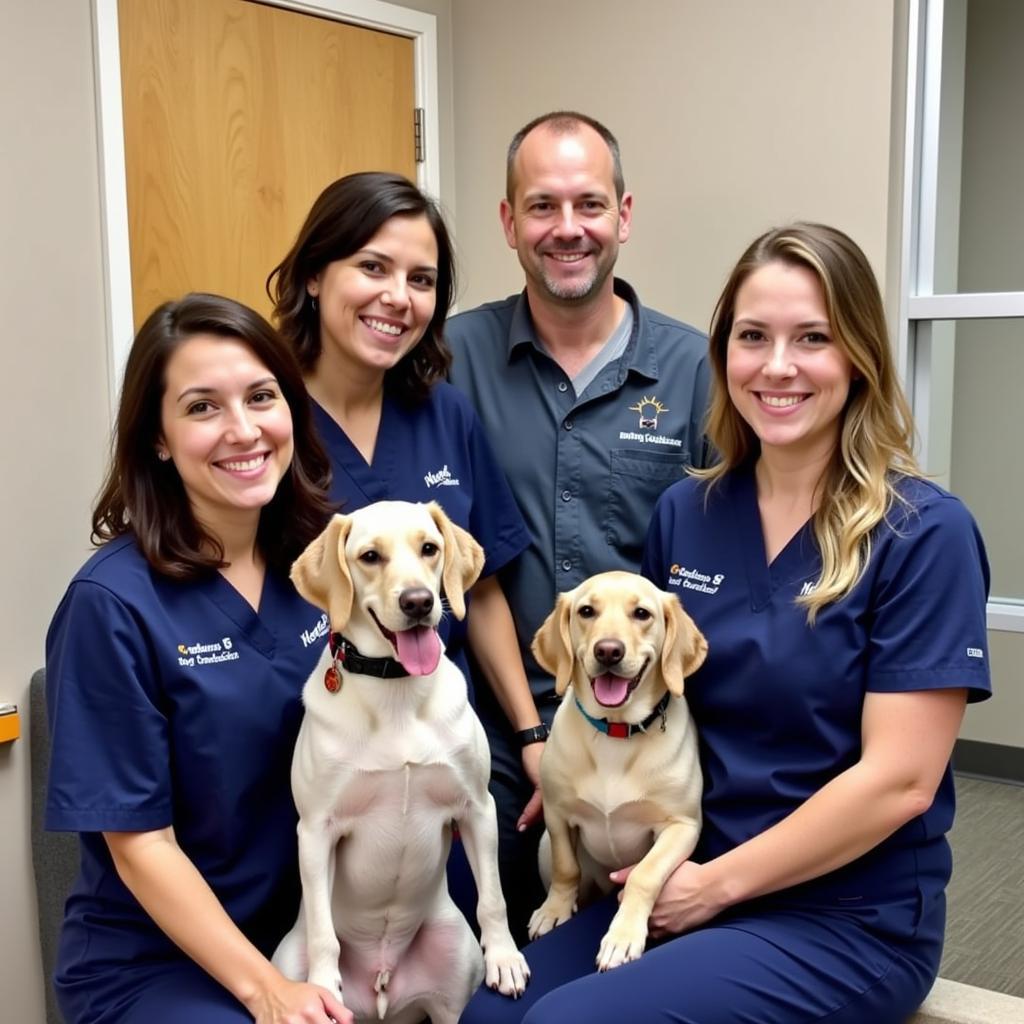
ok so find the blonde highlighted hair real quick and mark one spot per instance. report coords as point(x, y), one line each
point(876, 438)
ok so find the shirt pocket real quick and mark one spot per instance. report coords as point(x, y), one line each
point(635, 482)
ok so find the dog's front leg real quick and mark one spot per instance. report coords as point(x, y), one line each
point(563, 892)
point(627, 934)
point(317, 842)
point(505, 967)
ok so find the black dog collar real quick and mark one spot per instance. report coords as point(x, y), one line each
point(346, 654)
point(623, 730)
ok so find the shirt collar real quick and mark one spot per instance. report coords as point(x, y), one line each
point(639, 356)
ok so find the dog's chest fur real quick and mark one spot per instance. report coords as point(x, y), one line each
point(618, 802)
point(383, 748)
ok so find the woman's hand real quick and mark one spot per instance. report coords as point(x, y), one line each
point(534, 809)
point(298, 1002)
point(685, 901)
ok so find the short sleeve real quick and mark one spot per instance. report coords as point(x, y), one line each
point(927, 627)
point(495, 520)
point(110, 760)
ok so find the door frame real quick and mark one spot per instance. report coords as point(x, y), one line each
point(418, 26)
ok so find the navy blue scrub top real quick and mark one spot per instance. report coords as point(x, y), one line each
point(434, 450)
point(174, 703)
point(778, 703)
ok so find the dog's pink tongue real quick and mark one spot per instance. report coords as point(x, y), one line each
point(419, 650)
point(610, 690)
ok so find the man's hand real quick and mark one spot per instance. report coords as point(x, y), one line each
point(534, 810)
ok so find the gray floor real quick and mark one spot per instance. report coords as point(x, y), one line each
point(985, 925)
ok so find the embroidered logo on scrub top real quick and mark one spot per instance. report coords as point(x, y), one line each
point(441, 478)
point(318, 632)
point(649, 409)
point(190, 655)
point(694, 579)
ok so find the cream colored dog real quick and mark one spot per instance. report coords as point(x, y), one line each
point(620, 774)
point(389, 754)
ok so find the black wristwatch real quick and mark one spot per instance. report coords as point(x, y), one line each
point(538, 734)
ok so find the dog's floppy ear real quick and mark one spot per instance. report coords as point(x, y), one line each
point(463, 560)
point(552, 644)
point(321, 575)
point(685, 647)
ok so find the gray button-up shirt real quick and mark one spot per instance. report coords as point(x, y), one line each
point(585, 470)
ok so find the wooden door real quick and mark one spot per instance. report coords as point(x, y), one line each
point(236, 115)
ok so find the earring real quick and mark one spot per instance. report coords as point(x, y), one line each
point(313, 303)
point(163, 456)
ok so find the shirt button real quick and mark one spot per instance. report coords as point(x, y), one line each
point(566, 495)
point(568, 424)
point(562, 386)
point(566, 564)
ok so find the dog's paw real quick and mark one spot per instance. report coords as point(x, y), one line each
point(624, 941)
point(328, 979)
point(555, 910)
point(506, 969)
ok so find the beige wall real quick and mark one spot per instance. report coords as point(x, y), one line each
point(54, 415)
point(733, 116)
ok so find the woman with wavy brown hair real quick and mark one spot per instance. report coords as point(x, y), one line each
point(174, 670)
point(842, 596)
point(362, 297)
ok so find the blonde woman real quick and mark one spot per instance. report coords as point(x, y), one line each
point(843, 599)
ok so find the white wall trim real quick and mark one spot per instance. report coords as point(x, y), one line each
point(418, 26)
point(117, 275)
point(911, 158)
point(966, 306)
point(1006, 616)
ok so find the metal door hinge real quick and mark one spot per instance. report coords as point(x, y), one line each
point(418, 129)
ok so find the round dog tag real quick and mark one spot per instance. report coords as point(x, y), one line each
point(332, 680)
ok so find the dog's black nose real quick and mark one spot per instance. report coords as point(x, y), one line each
point(416, 602)
point(609, 652)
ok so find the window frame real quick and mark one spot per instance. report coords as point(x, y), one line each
point(933, 155)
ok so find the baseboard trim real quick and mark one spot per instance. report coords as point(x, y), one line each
point(996, 761)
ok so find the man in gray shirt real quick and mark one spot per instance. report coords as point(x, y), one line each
point(593, 403)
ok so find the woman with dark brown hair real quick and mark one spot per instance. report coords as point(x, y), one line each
point(362, 297)
point(175, 664)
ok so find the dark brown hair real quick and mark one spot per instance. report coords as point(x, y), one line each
point(344, 217)
point(145, 497)
point(563, 122)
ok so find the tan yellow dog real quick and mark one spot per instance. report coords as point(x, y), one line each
point(620, 773)
point(388, 756)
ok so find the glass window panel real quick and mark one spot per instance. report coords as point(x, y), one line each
point(991, 217)
point(986, 464)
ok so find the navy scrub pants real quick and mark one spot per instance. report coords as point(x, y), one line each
point(511, 789)
point(158, 994)
point(776, 966)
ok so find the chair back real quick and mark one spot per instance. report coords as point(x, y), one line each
point(54, 854)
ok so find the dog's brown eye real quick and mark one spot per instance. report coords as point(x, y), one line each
point(429, 550)
point(370, 557)
point(586, 611)
point(642, 614)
